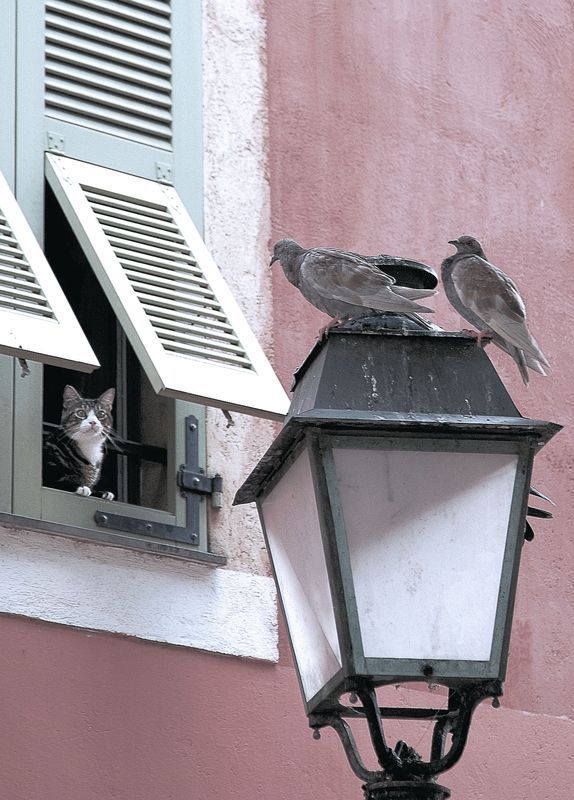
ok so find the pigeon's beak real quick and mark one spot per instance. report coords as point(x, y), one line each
point(453, 241)
point(273, 260)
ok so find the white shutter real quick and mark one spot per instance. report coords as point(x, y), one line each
point(167, 292)
point(36, 321)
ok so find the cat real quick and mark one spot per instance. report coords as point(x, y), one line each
point(74, 455)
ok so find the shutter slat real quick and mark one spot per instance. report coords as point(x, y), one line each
point(124, 218)
point(131, 233)
point(205, 341)
point(109, 54)
point(177, 254)
point(150, 212)
point(64, 60)
point(214, 328)
point(88, 17)
point(196, 314)
point(167, 292)
point(114, 95)
point(15, 304)
point(171, 297)
point(108, 67)
point(140, 271)
point(177, 283)
point(205, 352)
point(114, 8)
point(182, 309)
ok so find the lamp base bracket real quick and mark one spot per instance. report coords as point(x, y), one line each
point(405, 790)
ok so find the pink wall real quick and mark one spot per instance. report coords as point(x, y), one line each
point(397, 126)
point(87, 716)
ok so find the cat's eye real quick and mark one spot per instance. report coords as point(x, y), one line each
point(80, 413)
point(101, 414)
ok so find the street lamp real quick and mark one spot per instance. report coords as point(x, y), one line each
point(393, 506)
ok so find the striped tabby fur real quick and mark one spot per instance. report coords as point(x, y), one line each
point(73, 456)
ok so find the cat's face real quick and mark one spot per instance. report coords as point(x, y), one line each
point(87, 420)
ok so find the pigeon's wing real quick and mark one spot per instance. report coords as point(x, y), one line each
point(350, 279)
point(493, 297)
point(343, 259)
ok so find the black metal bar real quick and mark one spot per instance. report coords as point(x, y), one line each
point(345, 734)
point(386, 712)
point(126, 447)
point(192, 500)
point(385, 756)
point(404, 764)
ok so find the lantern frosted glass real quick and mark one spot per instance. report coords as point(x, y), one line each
point(395, 557)
point(294, 540)
point(426, 533)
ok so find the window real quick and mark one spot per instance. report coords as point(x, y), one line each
point(113, 96)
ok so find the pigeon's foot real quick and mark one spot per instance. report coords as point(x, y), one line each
point(323, 331)
point(482, 337)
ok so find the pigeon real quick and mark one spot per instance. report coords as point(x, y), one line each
point(346, 285)
point(487, 298)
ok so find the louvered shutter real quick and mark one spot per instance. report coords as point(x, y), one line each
point(36, 321)
point(108, 67)
point(171, 299)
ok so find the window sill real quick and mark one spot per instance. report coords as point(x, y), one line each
point(114, 539)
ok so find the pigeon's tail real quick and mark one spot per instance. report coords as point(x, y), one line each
point(411, 293)
point(536, 356)
point(523, 360)
point(518, 356)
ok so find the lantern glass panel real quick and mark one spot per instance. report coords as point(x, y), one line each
point(427, 534)
point(293, 533)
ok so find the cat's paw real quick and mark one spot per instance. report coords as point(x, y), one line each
point(107, 495)
point(85, 491)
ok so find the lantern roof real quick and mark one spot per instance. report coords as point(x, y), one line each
point(429, 382)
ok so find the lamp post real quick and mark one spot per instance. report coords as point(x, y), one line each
point(393, 506)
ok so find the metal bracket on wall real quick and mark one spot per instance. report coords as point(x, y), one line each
point(194, 485)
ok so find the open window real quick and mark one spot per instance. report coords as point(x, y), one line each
point(118, 85)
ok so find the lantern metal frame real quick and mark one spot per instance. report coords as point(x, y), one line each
point(436, 391)
point(319, 437)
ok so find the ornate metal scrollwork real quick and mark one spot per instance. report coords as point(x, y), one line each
point(403, 773)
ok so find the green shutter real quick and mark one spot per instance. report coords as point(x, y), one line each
point(115, 83)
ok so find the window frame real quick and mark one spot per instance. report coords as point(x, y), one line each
point(24, 502)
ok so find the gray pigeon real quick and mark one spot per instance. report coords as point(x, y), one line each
point(345, 285)
point(489, 300)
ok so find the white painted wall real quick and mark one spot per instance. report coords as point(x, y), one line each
point(231, 610)
point(151, 597)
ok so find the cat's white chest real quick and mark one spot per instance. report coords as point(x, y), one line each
point(91, 450)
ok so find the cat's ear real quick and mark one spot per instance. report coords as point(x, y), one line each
point(71, 396)
point(107, 398)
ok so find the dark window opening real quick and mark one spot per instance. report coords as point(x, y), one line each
point(135, 468)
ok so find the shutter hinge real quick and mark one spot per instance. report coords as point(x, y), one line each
point(200, 483)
